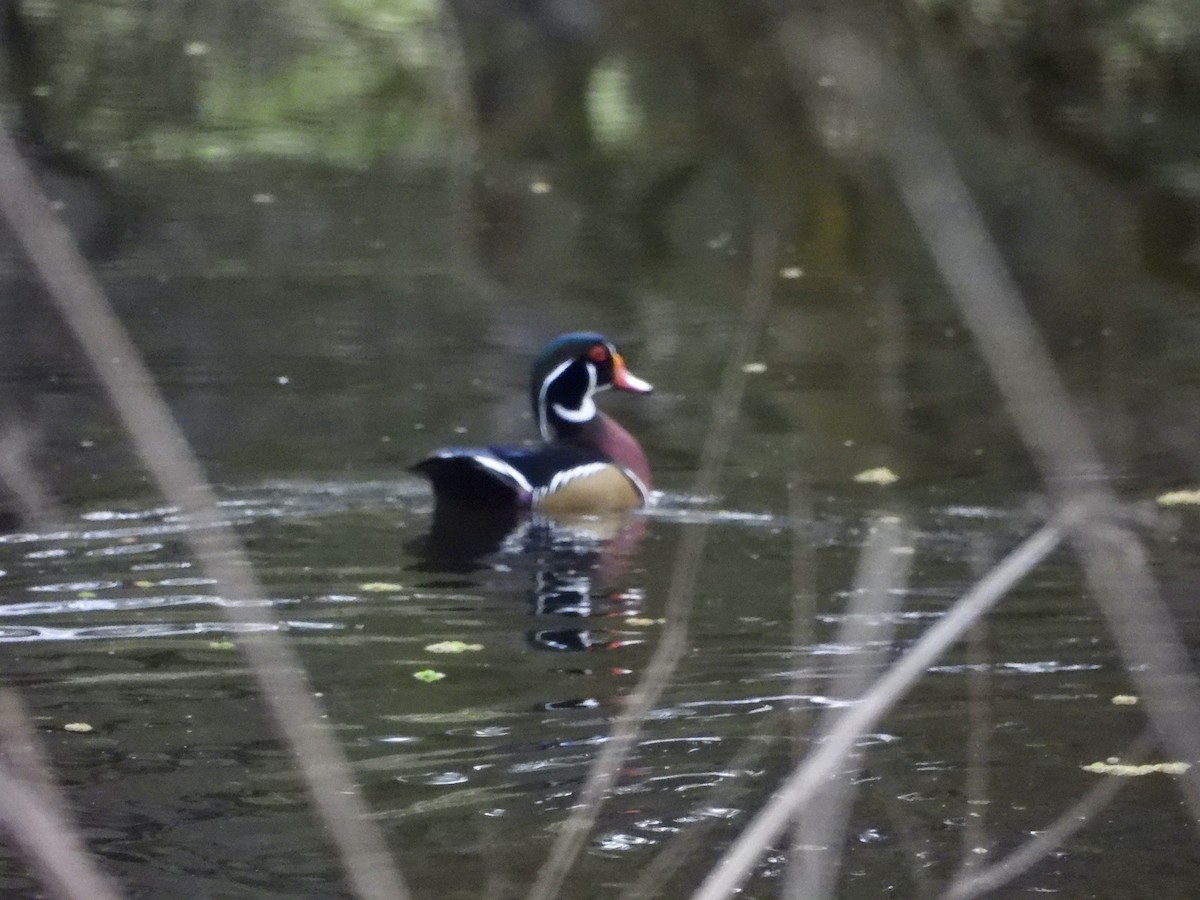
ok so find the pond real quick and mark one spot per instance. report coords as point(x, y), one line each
point(317, 330)
point(182, 785)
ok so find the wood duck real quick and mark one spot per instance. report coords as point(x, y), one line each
point(587, 463)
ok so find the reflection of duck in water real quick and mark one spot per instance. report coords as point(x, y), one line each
point(577, 578)
point(587, 463)
point(575, 569)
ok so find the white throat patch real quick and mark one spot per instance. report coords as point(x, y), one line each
point(586, 410)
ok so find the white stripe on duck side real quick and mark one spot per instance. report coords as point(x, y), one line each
point(638, 483)
point(493, 464)
point(565, 477)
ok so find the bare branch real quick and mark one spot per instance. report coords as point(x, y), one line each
point(823, 763)
point(31, 811)
point(820, 832)
point(286, 691)
point(37, 506)
point(991, 307)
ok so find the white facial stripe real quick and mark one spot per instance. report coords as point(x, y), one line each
point(586, 410)
point(543, 425)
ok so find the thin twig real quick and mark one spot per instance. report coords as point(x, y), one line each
point(38, 507)
point(673, 643)
point(164, 450)
point(975, 790)
point(804, 611)
point(991, 307)
point(823, 762)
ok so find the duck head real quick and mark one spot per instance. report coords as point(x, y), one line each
point(567, 375)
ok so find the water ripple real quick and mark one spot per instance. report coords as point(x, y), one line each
point(112, 515)
point(152, 630)
point(119, 549)
point(101, 604)
point(75, 587)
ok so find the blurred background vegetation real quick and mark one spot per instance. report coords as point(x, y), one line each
point(544, 159)
point(633, 97)
point(358, 83)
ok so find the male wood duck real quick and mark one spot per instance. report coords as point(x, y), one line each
point(587, 463)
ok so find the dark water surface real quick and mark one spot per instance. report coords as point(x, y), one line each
point(182, 787)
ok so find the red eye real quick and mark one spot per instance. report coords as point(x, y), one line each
point(598, 353)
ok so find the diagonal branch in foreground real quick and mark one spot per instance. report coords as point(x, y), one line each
point(990, 304)
point(34, 816)
point(164, 450)
point(819, 835)
point(835, 742)
point(686, 843)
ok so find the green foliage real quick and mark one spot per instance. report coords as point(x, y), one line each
point(613, 110)
point(346, 82)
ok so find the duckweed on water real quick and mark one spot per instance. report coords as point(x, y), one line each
point(1180, 498)
point(453, 647)
point(1126, 770)
point(881, 475)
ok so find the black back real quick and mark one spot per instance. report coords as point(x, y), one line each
point(476, 476)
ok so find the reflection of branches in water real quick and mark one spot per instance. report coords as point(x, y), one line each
point(673, 643)
point(464, 161)
point(286, 692)
point(975, 791)
point(881, 576)
point(803, 575)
